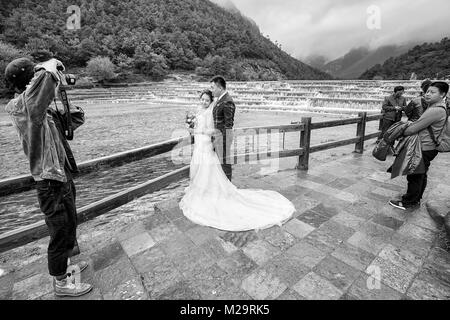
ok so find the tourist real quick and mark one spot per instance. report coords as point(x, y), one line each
point(51, 163)
point(434, 117)
point(392, 108)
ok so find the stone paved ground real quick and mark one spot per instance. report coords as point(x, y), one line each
point(342, 238)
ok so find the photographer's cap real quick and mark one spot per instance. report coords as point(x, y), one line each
point(19, 72)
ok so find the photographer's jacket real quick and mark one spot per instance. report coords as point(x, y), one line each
point(41, 140)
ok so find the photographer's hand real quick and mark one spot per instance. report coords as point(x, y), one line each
point(54, 66)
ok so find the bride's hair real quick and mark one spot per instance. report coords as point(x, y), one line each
point(208, 93)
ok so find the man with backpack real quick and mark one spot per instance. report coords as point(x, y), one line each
point(434, 134)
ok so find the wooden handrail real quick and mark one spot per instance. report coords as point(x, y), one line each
point(334, 123)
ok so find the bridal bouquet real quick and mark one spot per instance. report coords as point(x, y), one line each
point(190, 120)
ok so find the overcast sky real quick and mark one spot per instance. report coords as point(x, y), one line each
point(333, 27)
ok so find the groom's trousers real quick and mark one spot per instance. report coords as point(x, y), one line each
point(222, 147)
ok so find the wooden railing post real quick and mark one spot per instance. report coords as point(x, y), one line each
point(361, 132)
point(305, 142)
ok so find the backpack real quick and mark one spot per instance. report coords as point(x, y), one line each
point(442, 141)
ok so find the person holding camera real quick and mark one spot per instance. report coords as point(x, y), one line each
point(51, 162)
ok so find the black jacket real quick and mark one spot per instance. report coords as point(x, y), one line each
point(223, 113)
point(388, 108)
point(408, 157)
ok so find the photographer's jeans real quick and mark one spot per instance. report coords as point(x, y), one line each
point(57, 202)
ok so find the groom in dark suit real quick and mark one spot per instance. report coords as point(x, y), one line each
point(223, 114)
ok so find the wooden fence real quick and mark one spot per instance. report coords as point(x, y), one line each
point(24, 235)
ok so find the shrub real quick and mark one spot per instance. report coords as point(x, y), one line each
point(100, 69)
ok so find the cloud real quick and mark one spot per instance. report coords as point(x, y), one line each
point(331, 28)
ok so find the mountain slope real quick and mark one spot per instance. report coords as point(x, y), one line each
point(153, 38)
point(429, 60)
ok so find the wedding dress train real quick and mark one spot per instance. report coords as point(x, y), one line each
point(212, 200)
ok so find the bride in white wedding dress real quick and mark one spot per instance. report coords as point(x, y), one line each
point(212, 200)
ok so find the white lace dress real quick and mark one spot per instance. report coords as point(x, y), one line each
point(212, 200)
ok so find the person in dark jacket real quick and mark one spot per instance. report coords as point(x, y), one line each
point(392, 109)
point(434, 117)
point(418, 105)
point(48, 156)
point(223, 115)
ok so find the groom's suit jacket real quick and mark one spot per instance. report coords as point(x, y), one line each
point(223, 115)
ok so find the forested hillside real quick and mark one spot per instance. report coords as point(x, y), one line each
point(429, 60)
point(152, 38)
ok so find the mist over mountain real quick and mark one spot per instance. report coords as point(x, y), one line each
point(427, 60)
point(357, 60)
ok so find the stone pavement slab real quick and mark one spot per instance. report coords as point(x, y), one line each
point(260, 251)
point(353, 256)
point(278, 238)
point(308, 254)
point(289, 269)
point(298, 228)
point(315, 287)
point(337, 273)
point(365, 288)
point(237, 264)
point(261, 285)
point(313, 218)
point(390, 274)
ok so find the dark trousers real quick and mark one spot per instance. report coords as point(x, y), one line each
point(57, 202)
point(385, 125)
point(222, 148)
point(418, 182)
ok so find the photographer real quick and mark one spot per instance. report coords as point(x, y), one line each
point(51, 162)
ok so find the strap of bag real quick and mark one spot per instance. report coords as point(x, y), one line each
point(65, 101)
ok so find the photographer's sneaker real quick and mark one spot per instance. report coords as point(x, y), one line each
point(400, 205)
point(77, 267)
point(68, 288)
